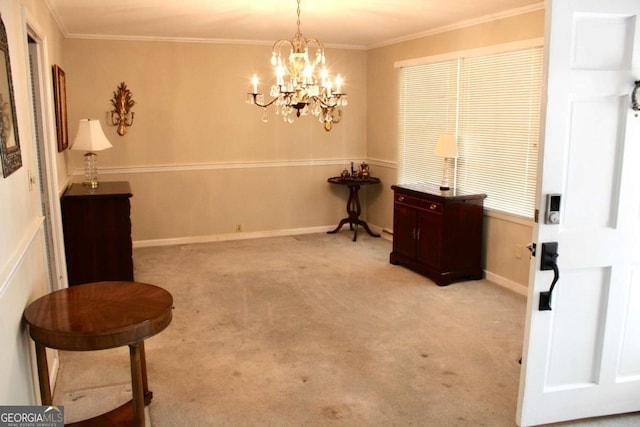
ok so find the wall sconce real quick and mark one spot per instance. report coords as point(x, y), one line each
point(121, 115)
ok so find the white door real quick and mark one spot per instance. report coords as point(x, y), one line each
point(582, 358)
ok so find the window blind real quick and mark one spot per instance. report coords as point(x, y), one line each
point(428, 104)
point(499, 128)
point(492, 104)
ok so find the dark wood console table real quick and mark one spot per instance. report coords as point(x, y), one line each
point(353, 204)
point(98, 316)
point(97, 232)
point(438, 233)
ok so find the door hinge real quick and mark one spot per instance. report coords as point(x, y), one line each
point(535, 215)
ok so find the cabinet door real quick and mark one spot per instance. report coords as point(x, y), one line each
point(404, 229)
point(429, 239)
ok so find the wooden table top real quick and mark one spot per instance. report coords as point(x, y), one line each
point(99, 315)
point(105, 189)
point(353, 180)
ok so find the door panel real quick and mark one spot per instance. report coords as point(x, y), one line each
point(589, 51)
point(582, 358)
point(429, 239)
point(629, 369)
point(404, 242)
point(579, 311)
point(598, 119)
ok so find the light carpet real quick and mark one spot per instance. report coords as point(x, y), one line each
point(313, 330)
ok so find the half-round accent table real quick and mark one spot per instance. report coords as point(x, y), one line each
point(98, 316)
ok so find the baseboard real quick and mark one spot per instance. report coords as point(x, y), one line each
point(506, 283)
point(229, 236)
point(245, 235)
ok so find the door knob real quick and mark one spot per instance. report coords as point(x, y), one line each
point(548, 262)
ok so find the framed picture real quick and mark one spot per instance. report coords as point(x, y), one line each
point(9, 141)
point(60, 95)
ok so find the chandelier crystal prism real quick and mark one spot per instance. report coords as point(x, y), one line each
point(303, 85)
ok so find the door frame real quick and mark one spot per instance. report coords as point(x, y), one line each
point(45, 159)
point(43, 116)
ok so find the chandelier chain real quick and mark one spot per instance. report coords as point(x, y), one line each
point(298, 22)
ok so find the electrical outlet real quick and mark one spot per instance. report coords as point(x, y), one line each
point(518, 252)
point(238, 227)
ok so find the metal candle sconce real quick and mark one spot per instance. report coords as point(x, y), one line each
point(121, 115)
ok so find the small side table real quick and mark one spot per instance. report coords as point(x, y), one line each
point(98, 316)
point(353, 204)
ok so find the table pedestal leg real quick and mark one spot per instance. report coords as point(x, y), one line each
point(136, 353)
point(43, 374)
point(148, 394)
point(353, 212)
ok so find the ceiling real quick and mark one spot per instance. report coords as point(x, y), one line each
point(338, 23)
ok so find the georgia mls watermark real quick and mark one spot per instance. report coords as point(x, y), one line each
point(32, 416)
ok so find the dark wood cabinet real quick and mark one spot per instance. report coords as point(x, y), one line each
point(97, 232)
point(438, 233)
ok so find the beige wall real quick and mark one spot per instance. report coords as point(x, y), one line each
point(23, 275)
point(501, 236)
point(199, 159)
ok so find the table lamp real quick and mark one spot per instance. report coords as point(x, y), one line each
point(447, 149)
point(90, 138)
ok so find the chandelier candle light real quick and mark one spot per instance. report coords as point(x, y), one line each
point(302, 84)
point(90, 138)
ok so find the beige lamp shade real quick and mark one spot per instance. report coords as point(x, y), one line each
point(90, 136)
point(446, 147)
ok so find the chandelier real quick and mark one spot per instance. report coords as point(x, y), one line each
point(302, 83)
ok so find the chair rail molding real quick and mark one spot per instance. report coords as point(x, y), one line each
point(187, 167)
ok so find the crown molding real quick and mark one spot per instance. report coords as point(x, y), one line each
point(443, 29)
point(462, 24)
point(193, 40)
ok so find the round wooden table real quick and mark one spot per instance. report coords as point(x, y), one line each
point(97, 316)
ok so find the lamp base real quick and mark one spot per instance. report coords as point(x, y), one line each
point(444, 184)
point(90, 170)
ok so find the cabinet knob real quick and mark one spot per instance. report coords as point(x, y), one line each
point(433, 206)
point(401, 198)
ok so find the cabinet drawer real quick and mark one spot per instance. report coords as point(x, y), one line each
point(427, 205)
